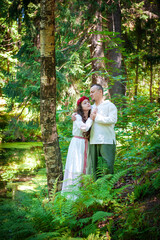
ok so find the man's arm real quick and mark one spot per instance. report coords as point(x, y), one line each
point(111, 119)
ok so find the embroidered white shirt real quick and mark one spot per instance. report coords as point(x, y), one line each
point(102, 131)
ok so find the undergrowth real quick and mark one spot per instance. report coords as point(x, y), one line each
point(98, 210)
point(123, 206)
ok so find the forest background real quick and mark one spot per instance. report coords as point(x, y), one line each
point(110, 42)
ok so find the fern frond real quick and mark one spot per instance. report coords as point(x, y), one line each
point(54, 190)
point(45, 235)
point(83, 221)
point(156, 181)
point(91, 228)
point(100, 215)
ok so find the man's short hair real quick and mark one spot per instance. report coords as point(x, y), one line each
point(99, 86)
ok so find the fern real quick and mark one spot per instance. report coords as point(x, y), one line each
point(14, 223)
point(156, 181)
point(54, 190)
point(44, 236)
point(84, 221)
point(100, 215)
point(62, 217)
point(91, 228)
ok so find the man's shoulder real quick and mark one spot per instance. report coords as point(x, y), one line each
point(108, 103)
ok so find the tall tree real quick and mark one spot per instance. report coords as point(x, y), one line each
point(116, 82)
point(48, 95)
point(97, 49)
point(138, 37)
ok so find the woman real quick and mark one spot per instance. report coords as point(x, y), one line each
point(76, 162)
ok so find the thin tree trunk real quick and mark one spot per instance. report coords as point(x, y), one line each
point(19, 43)
point(151, 83)
point(151, 72)
point(158, 89)
point(151, 67)
point(8, 50)
point(158, 93)
point(117, 86)
point(138, 32)
point(136, 78)
point(97, 51)
point(48, 95)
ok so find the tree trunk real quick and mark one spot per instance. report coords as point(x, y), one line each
point(48, 95)
point(97, 52)
point(151, 68)
point(151, 83)
point(158, 93)
point(158, 89)
point(136, 78)
point(116, 85)
point(138, 33)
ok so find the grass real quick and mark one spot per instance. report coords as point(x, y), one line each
point(20, 145)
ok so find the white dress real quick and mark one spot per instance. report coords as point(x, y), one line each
point(75, 158)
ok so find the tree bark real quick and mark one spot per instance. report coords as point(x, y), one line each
point(138, 34)
point(48, 95)
point(97, 51)
point(151, 68)
point(136, 78)
point(116, 85)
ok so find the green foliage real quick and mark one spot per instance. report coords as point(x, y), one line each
point(64, 217)
point(20, 161)
point(99, 207)
point(147, 187)
point(137, 136)
point(14, 223)
point(94, 202)
point(101, 210)
point(22, 131)
point(25, 87)
point(137, 224)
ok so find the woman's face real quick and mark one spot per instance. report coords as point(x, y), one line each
point(86, 106)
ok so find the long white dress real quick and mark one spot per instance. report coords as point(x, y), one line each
point(75, 158)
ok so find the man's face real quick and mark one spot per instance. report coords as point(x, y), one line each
point(95, 93)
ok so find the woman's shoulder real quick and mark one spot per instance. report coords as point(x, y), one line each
point(78, 117)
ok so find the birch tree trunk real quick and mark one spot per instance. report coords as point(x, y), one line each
point(48, 95)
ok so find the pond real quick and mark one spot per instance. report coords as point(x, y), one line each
point(20, 163)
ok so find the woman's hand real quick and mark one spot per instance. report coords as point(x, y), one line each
point(74, 117)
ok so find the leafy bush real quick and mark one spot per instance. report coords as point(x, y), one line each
point(24, 131)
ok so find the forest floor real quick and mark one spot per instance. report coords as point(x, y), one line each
point(140, 217)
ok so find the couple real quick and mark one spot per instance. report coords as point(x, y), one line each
point(96, 121)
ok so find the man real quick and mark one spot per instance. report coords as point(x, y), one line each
point(102, 136)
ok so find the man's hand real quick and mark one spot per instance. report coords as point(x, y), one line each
point(93, 114)
point(73, 117)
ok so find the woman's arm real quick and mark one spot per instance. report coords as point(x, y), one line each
point(81, 125)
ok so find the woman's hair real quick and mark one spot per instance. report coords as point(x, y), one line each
point(81, 113)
